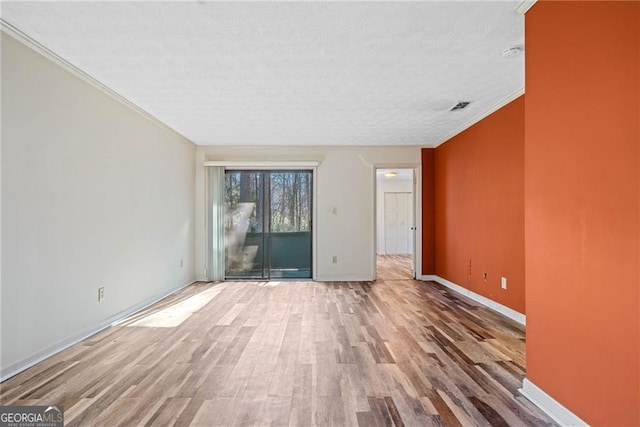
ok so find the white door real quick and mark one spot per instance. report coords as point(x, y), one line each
point(397, 220)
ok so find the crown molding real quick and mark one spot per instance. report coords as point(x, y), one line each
point(481, 116)
point(26, 40)
point(525, 5)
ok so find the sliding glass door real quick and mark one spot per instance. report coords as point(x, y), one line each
point(290, 224)
point(244, 228)
point(268, 224)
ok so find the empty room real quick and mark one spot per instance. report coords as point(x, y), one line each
point(320, 213)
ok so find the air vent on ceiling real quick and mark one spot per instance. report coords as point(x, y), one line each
point(460, 105)
point(513, 51)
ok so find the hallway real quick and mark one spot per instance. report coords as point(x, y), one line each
point(394, 267)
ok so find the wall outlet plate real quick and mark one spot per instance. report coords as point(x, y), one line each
point(101, 294)
point(503, 283)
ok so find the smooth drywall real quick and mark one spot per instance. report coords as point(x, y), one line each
point(93, 195)
point(479, 207)
point(345, 181)
point(582, 147)
point(390, 185)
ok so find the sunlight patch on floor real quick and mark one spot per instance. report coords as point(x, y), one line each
point(175, 314)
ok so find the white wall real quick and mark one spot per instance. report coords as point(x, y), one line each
point(93, 194)
point(345, 180)
point(388, 185)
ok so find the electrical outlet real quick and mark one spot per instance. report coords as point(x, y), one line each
point(484, 276)
point(334, 259)
point(181, 262)
point(101, 294)
point(503, 283)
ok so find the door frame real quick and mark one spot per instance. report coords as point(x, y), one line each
point(279, 165)
point(417, 214)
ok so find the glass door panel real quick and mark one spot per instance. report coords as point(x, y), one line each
point(268, 224)
point(290, 224)
point(244, 225)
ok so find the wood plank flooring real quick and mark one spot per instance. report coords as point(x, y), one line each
point(394, 267)
point(391, 352)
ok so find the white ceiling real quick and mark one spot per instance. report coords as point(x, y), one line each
point(285, 73)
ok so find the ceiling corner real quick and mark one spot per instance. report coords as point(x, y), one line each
point(524, 6)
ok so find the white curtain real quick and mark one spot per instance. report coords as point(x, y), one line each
point(215, 223)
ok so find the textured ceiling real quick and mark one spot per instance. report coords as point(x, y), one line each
point(310, 73)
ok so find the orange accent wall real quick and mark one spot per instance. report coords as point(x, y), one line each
point(428, 212)
point(582, 224)
point(479, 207)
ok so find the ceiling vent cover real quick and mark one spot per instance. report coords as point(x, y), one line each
point(461, 105)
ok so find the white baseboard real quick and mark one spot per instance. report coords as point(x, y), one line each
point(550, 406)
point(24, 364)
point(502, 309)
point(343, 279)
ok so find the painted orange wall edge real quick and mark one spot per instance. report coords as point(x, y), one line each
point(428, 212)
point(582, 223)
point(479, 206)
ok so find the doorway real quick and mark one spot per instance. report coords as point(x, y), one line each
point(268, 224)
point(395, 223)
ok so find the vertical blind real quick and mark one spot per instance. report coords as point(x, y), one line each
point(215, 223)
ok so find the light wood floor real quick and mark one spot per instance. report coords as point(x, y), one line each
point(392, 352)
point(394, 267)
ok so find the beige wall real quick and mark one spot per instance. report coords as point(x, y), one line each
point(93, 194)
point(345, 181)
